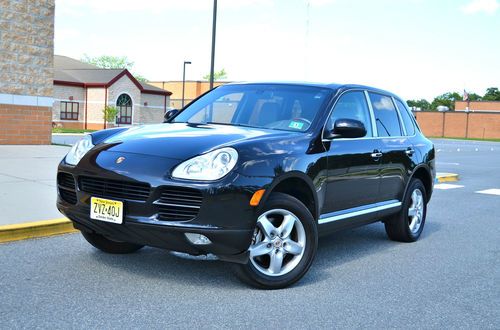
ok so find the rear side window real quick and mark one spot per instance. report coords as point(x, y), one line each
point(352, 105)
point(409, 125)
point(385, 115)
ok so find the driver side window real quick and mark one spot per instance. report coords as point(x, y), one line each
point(352, 105)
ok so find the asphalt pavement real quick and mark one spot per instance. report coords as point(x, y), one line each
point(450, 278)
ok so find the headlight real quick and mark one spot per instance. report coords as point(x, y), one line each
point(79, 150)
point(210, 166)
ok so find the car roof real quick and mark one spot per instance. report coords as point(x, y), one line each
point(332, 86)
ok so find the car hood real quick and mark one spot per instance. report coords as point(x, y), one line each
point(182, 140)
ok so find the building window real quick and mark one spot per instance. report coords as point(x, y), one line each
point(69, 110)
point(124, 106)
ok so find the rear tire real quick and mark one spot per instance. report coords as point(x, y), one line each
point(407, 225)
point(284, 244)
point(106, 245)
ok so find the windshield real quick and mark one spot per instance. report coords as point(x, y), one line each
point(283, 107)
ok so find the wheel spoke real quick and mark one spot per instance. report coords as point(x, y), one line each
point(286, 226)
point(276, 262)
point(267, 227)
point(412, 223)
point(412, 211)
point(292, 247)
point(260, 249)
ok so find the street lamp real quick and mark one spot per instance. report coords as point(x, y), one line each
point(184, 80)
point(214, 24)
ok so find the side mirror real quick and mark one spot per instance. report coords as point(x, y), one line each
point(170, 114)
point(346, 128)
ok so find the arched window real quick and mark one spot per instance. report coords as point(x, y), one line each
point(124, 106)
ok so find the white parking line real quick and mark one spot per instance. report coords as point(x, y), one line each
point(445, 163)
point(489, 192)
point(446, 186)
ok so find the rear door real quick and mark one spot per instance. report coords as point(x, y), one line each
point(396, 147)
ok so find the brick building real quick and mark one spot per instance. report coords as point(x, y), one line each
point(82, 90)
point(26, 71)
point(192, 89)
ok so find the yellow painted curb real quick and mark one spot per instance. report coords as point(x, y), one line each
point(447, 177)
point(17, 232)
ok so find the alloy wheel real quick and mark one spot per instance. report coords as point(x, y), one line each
point(278, 243)
point(416, 211)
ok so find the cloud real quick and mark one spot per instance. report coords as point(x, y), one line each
point(481, 6)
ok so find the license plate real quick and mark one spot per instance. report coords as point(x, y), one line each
point(106, 210)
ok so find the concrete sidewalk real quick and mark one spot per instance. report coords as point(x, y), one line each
point(28, 183)
point(66, 138)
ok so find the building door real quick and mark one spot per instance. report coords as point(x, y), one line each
point(124, 106)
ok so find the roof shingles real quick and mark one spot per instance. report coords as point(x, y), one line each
point(68, 71)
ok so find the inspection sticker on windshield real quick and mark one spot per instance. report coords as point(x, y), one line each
point(296, 124)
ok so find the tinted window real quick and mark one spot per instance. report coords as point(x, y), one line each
point(409, 125)
point(385, 115)
point(283, 107)
point(352, 105)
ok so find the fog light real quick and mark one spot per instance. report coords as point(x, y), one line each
point(198, 239)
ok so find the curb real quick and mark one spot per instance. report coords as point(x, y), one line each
point(446, 177)
point(21, 231)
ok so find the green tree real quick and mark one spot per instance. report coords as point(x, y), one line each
point(109, 114)
point(492, 94)
point(475, 97)
point(423, 104)
point(446, 99)
point(112, 62)
point(218, 75)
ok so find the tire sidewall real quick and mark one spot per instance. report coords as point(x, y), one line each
point(415, 184)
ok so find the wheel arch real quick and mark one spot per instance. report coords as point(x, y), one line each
point(298, 185)
point(422, 173)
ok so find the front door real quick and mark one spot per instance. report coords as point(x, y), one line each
point(353, 164)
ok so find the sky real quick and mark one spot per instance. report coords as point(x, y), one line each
point(414, 48)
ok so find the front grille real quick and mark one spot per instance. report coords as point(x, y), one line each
point(66, 186)
point(178, 204)
point(115, 189)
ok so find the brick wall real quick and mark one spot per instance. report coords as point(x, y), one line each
point(21, 124)
point(478, 105)
point(480, 125)
point(26, 71)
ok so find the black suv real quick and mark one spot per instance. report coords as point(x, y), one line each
point(253, 173)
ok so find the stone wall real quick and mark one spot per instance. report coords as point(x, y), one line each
point(153, 112)
point(26, 71)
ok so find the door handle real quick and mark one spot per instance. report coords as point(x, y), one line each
point(410, 151)
point(376, 154)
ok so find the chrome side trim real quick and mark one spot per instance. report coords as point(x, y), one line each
point(351, 214)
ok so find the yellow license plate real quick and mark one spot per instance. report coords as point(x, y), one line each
point(106, 210)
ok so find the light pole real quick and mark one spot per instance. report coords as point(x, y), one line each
point(214, 25)
point(184, 80)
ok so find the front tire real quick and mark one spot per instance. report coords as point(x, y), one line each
point(106, 245)
point(407, 225)
point(283, 246)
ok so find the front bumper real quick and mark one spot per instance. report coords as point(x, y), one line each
point(225, 216)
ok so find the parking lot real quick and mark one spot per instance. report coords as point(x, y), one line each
point(450, 278)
